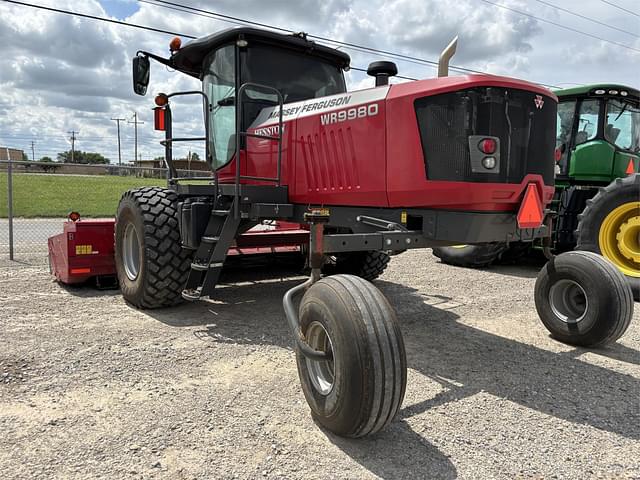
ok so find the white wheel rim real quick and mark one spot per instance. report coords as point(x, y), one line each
point(131, 252)
point(321, 372)
point(568, 301)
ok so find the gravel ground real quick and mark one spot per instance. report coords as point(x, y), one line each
point(91, 388)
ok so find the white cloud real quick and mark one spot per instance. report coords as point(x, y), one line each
point(61, 73)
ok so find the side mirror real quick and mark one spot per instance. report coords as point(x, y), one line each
point(140, 74)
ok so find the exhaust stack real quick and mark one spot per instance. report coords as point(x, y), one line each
point(445, 56)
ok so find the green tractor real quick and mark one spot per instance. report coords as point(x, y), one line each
point(597, 200)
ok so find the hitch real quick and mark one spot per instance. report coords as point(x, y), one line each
point(316, 218)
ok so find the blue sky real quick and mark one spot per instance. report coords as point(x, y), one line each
point(120, 9)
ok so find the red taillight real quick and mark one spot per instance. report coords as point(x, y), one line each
point(158, 118)
point(530, 214)
point(488, 146)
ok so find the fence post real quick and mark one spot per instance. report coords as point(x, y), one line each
point(10, 203)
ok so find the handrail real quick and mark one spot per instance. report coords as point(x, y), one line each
point(240, 134)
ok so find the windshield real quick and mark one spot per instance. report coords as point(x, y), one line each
point(297, 76)
point(623, 125)
point(219, 84)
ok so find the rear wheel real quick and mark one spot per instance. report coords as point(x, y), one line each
point(152, 266)
point(359, 390)
point(583, 299)
point(610, 226)
point(368, 265)
point(474, 256)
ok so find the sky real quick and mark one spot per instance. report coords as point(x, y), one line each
point(61, 73)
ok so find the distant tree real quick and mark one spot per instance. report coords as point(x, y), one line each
point(82, 157)
point(46, 160)
point(25, 157)
point(195, 157)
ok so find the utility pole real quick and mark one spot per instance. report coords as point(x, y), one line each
point(33, 151)
point(73, 145)
point(118, 120)
point(135, 129)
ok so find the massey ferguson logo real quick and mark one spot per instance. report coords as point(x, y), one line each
point(539, 102)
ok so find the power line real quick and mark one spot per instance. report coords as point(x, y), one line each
point(236, 19)
point(620, 8)
point(348, 45)
point(93, 17)
point(588, 18)
point(520, 12)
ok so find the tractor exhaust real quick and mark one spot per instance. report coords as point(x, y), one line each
point(445, 56)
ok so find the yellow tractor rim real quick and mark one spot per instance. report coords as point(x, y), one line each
point(619, 238)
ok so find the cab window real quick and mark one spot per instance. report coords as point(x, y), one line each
point(219, 85)
point(587, 121)
point(564, 126)
point(622, 127)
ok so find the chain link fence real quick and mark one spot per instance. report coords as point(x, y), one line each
point(36, 197)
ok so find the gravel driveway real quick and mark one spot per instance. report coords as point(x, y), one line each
point(91, 388)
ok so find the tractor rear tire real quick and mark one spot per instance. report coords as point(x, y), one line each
point(360, 389)
point(368, 265)
point(610, 226)
point(152, 266)
point(583, 299)
point(473, 256)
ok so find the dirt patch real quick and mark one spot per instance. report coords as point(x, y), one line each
point(91, 388)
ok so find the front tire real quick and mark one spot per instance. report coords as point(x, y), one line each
point(360, 389)
point(152, 266)
point(583, 299)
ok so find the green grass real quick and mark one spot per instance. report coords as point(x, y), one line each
point(56, 195)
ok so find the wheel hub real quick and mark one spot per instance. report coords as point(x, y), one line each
point(629, 239)
point(321, 372)
point(131, 252)
point(619, 238)
point(568, 301)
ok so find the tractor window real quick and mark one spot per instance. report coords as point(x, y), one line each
point(564, 125)
point(298, 76)
point(623, 125)
point(588, 121)
point(219, 84)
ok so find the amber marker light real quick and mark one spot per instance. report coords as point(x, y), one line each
point(175, 44)
point(161, 99)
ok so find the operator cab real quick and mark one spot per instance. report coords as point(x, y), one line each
point(606, 113)
point(298, 68)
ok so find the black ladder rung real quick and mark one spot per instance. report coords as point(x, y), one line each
point(220, 213)
point(192, 294)
point(203, 267)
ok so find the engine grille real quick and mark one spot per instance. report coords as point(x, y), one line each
point(526, 132)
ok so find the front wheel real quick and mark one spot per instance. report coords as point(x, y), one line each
point(152, 266)
point(583, 299)
point(359, 390)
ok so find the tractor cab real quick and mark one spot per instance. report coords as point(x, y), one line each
point(598, 132)
point(275, 69)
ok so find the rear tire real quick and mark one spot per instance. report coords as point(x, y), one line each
point(361, 389)
point(368, 265)
point(152, 266)
point(473, 256)
point(610, 226)
point(583, 299)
